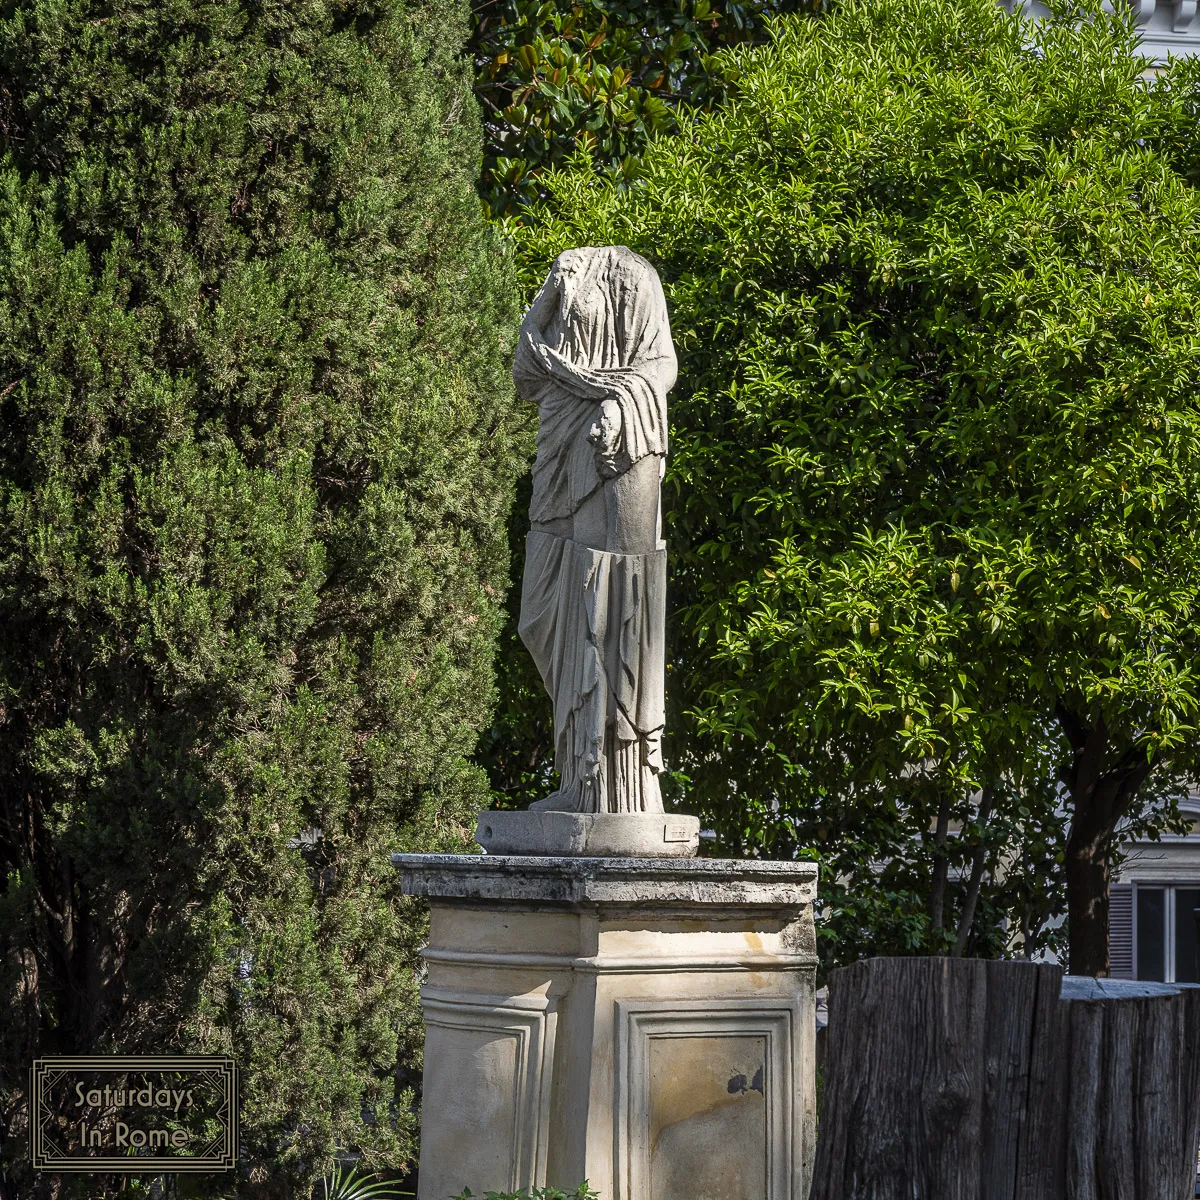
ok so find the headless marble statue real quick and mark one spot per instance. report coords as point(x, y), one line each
point(595, 356)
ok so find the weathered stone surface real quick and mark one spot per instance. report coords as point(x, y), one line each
point(593, 835)
point(707, 1094)
point(723, 882)
point(645, 1024)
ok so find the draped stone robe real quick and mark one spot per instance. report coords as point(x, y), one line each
point(595, 356)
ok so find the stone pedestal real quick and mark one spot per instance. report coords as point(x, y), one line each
point(644, 1024)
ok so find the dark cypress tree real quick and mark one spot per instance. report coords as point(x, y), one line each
point(257, 454)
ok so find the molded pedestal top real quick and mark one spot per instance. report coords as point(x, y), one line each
point(741, 883)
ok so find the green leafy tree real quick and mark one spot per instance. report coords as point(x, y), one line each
point(257, 458)
point(607, 75)
point(932, 501)
point(607, 78)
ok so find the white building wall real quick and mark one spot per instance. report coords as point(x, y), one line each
point(1170, 28)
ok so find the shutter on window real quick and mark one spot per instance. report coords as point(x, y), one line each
point(1120, 931)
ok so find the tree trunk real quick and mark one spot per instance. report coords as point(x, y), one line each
point(978, 863)
point(1086, 869)
point(1104, 785)
point(941, 866)
point(1027, 932)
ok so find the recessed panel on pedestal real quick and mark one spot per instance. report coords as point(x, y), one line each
point(704, 1095)
point(704, 1100)
point(476, 1071)
point(493, 1057)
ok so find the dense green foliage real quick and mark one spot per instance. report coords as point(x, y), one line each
point(604, 76)
point(935, 287)
point(582, 1192)
point(257, 459)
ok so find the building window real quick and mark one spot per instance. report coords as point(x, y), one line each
point(1166, 933)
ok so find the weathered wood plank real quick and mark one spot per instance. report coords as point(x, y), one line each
point(1160, 1111)
point(1084, 1047)
point(1008, 1046)
point(1189, 1082)
point(950, 1079)
point(1145, 1098)
point(915, 1047)
point(1041, 1166)
point(950, 1101)
point(1117, 1120)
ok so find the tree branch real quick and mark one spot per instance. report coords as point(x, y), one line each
point(978, 862)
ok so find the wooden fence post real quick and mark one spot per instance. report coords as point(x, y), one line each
point(966, 1079)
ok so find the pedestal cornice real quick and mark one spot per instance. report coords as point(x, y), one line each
point(587, 882)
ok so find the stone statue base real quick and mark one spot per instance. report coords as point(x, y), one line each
point(645, 1024)
point(595, 835)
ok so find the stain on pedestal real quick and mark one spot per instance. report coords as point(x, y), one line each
point(708, 1118)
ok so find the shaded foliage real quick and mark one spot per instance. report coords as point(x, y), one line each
point(602, 75)
point(257, 459)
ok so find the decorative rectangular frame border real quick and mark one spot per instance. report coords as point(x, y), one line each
point(637, 1021)
point(225, 1158)
point(533, 1021)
